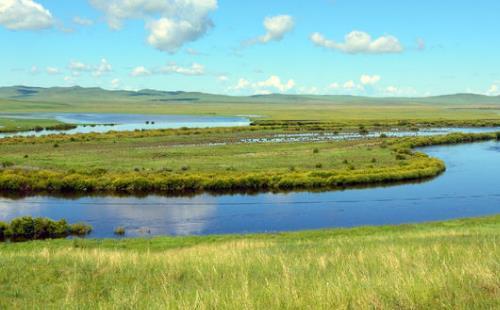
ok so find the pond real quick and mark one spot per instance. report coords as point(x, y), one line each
point(103, 122)
point(470, 187)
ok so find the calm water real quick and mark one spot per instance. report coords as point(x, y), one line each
point(124, 122)
point(470, 187)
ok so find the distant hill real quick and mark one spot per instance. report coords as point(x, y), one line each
point(74, 95)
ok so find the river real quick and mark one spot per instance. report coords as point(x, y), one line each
point(470, 187)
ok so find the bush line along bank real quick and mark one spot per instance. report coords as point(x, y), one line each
point(28, 228)
point(419, 166)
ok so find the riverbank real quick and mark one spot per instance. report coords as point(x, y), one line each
point(451, 264)
point(158, 165)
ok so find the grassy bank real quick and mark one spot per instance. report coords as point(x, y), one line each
point(146, 163)
point(451, 265)
point(8, 125)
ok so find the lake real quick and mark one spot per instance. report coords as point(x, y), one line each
point(101, 122)
point(470, 187)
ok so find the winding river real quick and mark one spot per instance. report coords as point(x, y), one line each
point(470, 187)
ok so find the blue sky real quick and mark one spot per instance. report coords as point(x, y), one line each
point(394, 48)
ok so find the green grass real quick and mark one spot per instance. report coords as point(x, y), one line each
point(14, 125)
point(450, 265)
point(160, 153)
point(145, 162)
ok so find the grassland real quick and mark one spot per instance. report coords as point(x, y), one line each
point(450, 265)
point(272, 107)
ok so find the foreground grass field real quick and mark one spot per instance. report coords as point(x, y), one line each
point(451, 265)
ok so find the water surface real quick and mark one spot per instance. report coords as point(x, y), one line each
point(470, 187)
point(105, 122)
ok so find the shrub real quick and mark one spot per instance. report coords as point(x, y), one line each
point(3, 230)
point(7, 164)
point(27, 228)
point(319, 166)
point(23, 227)
point(315, 151)
point(80, 229)
point(120, 231)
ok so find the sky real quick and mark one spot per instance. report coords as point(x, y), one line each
point(236, 47)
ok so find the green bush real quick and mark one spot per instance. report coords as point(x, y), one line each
point(28, 228)
point(3, 230)
point(80, 229)
point(120, 231)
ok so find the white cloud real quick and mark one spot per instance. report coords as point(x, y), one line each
point(493, 90)
point(391, 89)
point(349, 85)
point(309, 90)
point(140, 71)
point(103, 68)
point(194, 69)
point(369, 79)
point(77, 66)
point(272, 84)
point(171, 23)
point(24, 15)
point(334, 85)
point(53, 70)
point(400, 91)
point(277, 27)
point(115, 83)
point(82, 21)
point(275, 82)
point(222, 78)
point(172, 68)
point(242, 84)
point(358, 42)
point(34, 69)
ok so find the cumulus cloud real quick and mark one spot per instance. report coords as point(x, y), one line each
point(493, 90)
point(348, 86)
point(103, 68)
point(172, 68)
point(270, 85)
point(275, 82)
point(194, 69)
point(171, 23)
point(140, 71)
point(400, 91)
point(76, 67)
point(369, 79)
point(24, 15)
point(358, 42)
point(276, 29)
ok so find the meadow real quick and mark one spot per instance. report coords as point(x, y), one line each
point(177, 161)
point(450, 265)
